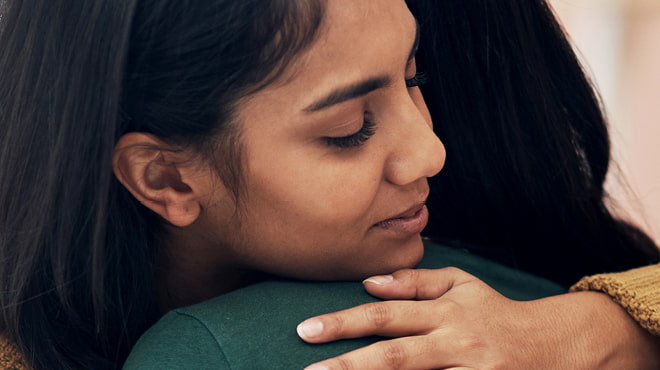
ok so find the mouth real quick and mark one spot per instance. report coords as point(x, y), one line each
point(407, 223)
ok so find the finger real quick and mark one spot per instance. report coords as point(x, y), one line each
point(416, 283)
point(390, 319)
point(421, 352)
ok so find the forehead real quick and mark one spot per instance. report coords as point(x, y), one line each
point(358, 32)
point(358, 39)
point(374, 21)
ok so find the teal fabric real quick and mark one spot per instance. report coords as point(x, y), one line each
point(255, 327)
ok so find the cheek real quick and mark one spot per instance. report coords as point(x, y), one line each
point(338, 194)
point(314, 181)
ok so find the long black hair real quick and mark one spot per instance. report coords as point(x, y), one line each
point(527, 142)
point(76, 250)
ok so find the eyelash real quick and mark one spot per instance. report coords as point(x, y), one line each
point(354, 140)
point(420, 78)
point(369, 128)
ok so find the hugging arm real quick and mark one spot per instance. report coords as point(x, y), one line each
point(637, 291)
point(450, 319)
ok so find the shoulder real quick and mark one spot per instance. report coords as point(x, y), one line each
point(251, 328)
point(177, 341)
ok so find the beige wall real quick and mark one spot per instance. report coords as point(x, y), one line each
point(619, 41)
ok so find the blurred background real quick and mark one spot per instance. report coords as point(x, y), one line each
point(619, 43)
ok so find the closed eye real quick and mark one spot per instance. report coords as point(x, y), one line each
point(357, 139)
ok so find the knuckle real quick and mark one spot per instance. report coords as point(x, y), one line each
point(336, 324)
point(498, 363)
point(407, 276)
point(448, 308)
point(454, 271)
point(494, 365)
point(377, 314)
point(342, 364)
point(428, 346)
point(413, 274)
point(427, 291)
point(472, 343)
point(393, 354)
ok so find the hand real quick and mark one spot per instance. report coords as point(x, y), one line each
point(458, 322)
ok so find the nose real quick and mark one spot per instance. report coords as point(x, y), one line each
point(416, 151)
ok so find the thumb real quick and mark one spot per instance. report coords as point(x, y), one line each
point(416, 283)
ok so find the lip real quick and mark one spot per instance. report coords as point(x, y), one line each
point(407, 223)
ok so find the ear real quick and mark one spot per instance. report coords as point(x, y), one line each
point(153, 172)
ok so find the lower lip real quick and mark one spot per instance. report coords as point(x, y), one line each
point(406, 226)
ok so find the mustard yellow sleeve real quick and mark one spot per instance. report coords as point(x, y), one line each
point(638, 291)
point(10, 357)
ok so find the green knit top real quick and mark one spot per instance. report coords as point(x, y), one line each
point(255, 327)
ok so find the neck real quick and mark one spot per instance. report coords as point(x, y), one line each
point(177, 288)
point(189, 271)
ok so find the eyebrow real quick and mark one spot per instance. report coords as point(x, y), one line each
point(348, 93)
point(359, 89)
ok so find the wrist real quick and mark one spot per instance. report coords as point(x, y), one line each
point(593, 332)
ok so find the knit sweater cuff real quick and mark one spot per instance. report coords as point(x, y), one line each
point(638, 291)
point(10, 357)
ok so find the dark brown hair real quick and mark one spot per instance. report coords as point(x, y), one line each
point(77, 250)
point(527, 142)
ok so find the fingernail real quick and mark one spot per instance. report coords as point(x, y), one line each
point(310, 328)
point(317, 367)
point(379, 280)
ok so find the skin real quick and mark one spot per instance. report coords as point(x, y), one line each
point(310, 208)
point(455, 321)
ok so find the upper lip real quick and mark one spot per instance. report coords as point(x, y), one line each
point(408, 212)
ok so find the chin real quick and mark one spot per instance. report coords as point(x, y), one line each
point(404, 256)
point(385, 258)
point(412, 256)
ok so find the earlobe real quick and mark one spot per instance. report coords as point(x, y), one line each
point(150, 169)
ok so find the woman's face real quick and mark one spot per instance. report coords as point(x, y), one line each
point(336, 156)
